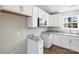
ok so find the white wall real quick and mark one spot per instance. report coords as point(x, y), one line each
point(13, 33)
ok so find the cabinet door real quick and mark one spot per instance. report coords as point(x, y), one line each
point(56, 39)
point(40, 47)
point(75, 44)
point(60, 20)
point(32, 47)
point(12, 8)
point(61, 40)
point(35, 16)
point(32, 21)
point(47, 19)
point(41, 14)
point(67, 42)
point(64, 41)
point(55, 20)
point(27, 9)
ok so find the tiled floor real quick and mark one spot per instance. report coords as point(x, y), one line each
point(57, 50)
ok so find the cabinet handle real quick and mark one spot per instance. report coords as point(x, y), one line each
point(21, 8)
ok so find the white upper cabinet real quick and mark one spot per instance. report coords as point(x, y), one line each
point(41, 14)
point(11, 8)
point(33, 21)
point(55, 20)
point(20, 9)
point(44, 16)
point(27, 9)
point(47, 18)
point(37, 13)
point(35, 16)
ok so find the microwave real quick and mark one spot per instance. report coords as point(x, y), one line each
point(42, 22)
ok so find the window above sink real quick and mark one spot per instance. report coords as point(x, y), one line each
point(71, 21)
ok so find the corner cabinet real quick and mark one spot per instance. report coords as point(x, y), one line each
point(55, 20)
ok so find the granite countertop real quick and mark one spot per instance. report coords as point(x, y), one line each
point(68, 34)
point(64, 33)
point(33, 37)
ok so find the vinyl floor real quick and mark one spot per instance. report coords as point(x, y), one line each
point(58, 50)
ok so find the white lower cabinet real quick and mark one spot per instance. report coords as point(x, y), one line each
point(56, 39)
point(34, 47)
point(47, 39)
point(40, 47)
point(75, 44)
point(66, 41)
point(61, 40)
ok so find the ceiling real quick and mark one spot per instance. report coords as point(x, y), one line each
point(53, 9)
